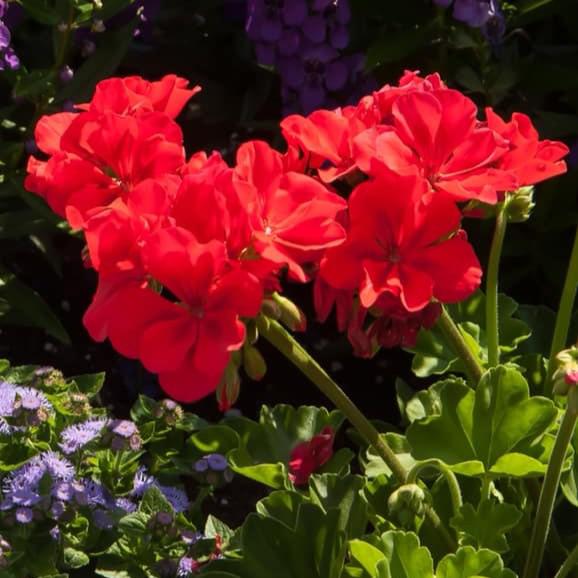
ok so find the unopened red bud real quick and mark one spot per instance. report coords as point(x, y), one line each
point(253, 363)
point(228, 390)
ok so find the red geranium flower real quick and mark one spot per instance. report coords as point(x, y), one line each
point(292, 216)
point(97, 158)
point(134, 95)
point(403, 241)
point(528, 158)
point(436, 135)
point(309, 456)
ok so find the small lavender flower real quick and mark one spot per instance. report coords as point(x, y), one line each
point(57, 509)
point(63, 491)
point(94, 494)
point(5, 428)
point(142, 482)
point(32, 399)
point(186, 567)
point(126, 505)
point(7, 399)
point(55, 533)
point(217, 462)
point(24, 515)
point(123, 427)
point(176, 497)
point(8, 58)
point(201, 465)
point(77, 436)
point(58, 467)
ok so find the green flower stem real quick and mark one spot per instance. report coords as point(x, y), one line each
point(569, 564)
point(550, 487)
point(451, 479)
point(486, 491)
point(283, 341)
point(492, 331)
point(564, 314)
point(454, 337)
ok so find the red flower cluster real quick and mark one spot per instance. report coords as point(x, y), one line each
point(185, 251)
point(411, 152)
point(307, 457)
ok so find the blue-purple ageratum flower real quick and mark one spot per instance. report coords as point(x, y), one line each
point(176, 497)
point(8, 58)
point(125, 504)
point(186, 567)
point(77, 436)
point(142, 482)
point(29, 398)
point(24, 515)
point(123, 428)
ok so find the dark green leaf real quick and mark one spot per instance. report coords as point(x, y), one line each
point(486, 527)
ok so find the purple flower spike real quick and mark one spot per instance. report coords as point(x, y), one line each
point(290, 42)
point(294, 12)
point(339, 36)
point(336, 75)
point(265, 54)
point(5, 36)
point(315, 28)
point(474, 13)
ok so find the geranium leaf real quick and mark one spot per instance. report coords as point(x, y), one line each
point(469, 563)
point(497, 429)
point(344, 494)
point(432, 355)
point(486, 526)
point(373, 465)
point(314, 547)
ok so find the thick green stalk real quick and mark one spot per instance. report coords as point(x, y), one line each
point(492, 330)
point(454, 337)
point(282, 340)
point(451, 480)
point(564, 314)
point(569, 564)
point(550, 487)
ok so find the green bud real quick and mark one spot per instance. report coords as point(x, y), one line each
point(407, 505)
point(520, 204)
point(253, 363)
point(291, 316)
point(252, 332)
point(270, 309)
